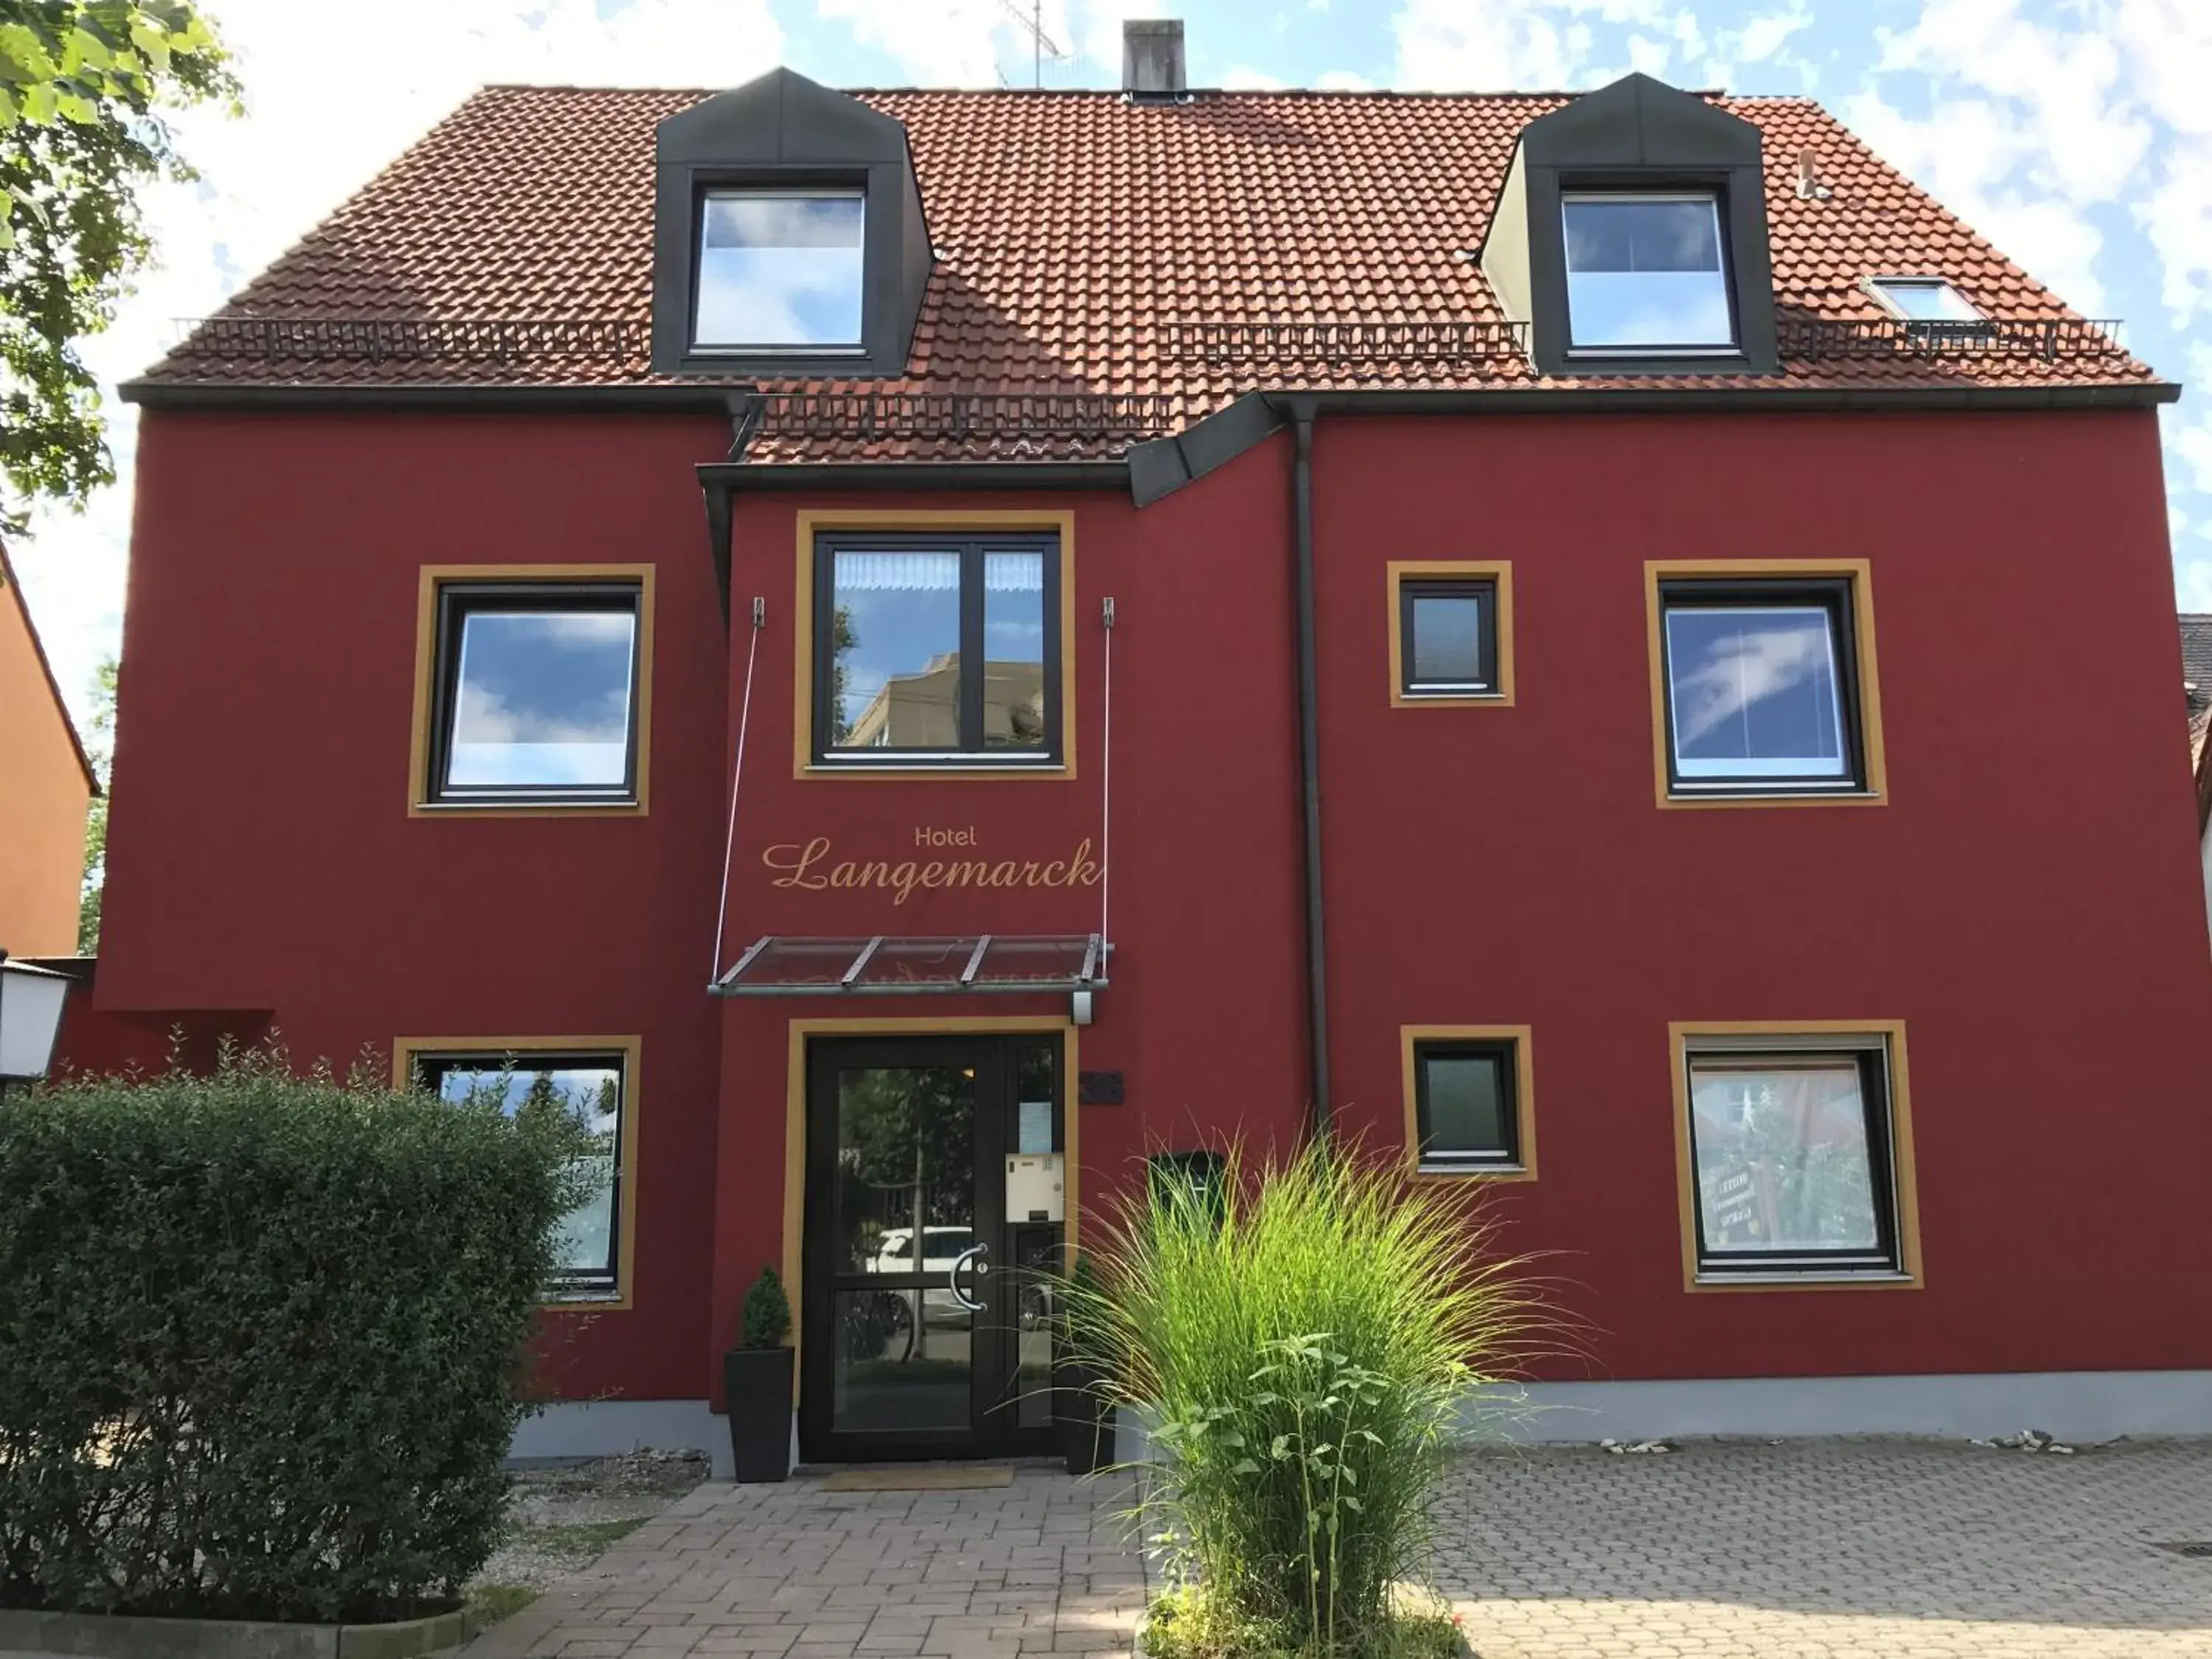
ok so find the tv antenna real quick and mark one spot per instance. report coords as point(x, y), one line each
point(1031, 20)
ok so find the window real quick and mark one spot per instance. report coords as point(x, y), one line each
point(1450, 638)
point(938, 649)
point(1924, 299)
point(537, 694)
point(592, 1084)
point(780, 270)
point(1647, 272)
point(1759, 686)
point(1466, 1100)
point(1450, 632)
point(1793, 1154)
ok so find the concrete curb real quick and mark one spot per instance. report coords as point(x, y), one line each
point(103, 1636)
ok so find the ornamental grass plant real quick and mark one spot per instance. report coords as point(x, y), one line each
point(1308, 1336)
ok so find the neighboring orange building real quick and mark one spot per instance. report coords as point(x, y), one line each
point(47, 784)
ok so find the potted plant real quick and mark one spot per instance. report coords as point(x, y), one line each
point(756, 1383)
point(1085, 1410)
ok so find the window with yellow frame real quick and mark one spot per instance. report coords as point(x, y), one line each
point(594, 1078)
point(1764, 689)
point(1468, 1094)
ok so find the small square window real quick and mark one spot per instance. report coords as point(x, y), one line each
point(1466, 1105)
point(535, 693)
point(1647, 272)
point(592, 1086)
point(780, 270)
point(1924, 300)
point(1761, 687)
point(932, 649)
point(1448, 638)
point(1790, 1147)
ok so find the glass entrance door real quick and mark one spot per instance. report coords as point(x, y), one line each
point(917, 1292)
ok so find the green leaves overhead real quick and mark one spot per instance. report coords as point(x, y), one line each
point(84, 86)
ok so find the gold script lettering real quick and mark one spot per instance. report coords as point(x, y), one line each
point(778, 858)
point(806, 866)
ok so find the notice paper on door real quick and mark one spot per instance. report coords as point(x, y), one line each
point(1033, 1131)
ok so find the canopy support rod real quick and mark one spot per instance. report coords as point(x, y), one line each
point(861, 960)
point(736, 777)
point(975, 960)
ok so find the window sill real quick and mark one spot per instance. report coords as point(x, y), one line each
point(1872, 1279)
point(966, 767)
point(1775, 798)
point(596, 1299)
point(1472, 1172)
point(1451, 699)
point(563, 806)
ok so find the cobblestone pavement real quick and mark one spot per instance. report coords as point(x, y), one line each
point(1722, 1550)
point(1822, 1547)
point(792, 1572)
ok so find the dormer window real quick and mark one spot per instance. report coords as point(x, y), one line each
point(1924, 299)
point(780, 270)
point(789, 240)
point(1646, 272)
point(1629, 238)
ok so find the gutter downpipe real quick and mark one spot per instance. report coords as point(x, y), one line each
point(1301, 412)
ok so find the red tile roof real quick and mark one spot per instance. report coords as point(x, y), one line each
point(1078, 238)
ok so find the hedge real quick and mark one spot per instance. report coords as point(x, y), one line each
point(261, 1337)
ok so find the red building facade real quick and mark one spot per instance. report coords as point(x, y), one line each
point(1353, 738)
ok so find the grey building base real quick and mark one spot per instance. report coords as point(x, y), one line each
point(2087, 1406)
point(2083, 1406)
point(602, 1428)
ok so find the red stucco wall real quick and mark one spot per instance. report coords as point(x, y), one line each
point(2026, 903)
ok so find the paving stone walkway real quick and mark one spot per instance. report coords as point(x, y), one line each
point(1805, 1550)
point(792, 1572)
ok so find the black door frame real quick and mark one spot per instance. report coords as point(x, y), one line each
point(994, 1429)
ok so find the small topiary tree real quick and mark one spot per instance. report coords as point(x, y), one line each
point(765, 1320)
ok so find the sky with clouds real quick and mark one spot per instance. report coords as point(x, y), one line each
point(2074, 133)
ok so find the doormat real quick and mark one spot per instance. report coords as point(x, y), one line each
point(917, 1480)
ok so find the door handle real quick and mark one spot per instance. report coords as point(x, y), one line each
point(952, 1274)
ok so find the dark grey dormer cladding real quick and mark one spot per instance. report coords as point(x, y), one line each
point(1636, 137)
point(784, 135)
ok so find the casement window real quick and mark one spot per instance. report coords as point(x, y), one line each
point(938, 651)
point(1647, 273)
point(1467, 1100)
point(1450, 632)
point(592, 1084)
point(536, 694)
point(780, 271)
point(1760, 684)
point(1794, 1153)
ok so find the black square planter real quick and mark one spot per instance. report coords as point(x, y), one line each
point(757, 1391)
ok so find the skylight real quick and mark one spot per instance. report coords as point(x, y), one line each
point(1924, 300)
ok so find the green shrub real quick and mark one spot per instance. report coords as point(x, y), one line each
point(1306, 1334)
point(260, 1336)
point(765, 1320)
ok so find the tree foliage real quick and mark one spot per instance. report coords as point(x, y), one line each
point(84, 85)
point(100, 747)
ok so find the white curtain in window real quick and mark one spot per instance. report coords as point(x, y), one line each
point(899, 572)
point(1013, 573)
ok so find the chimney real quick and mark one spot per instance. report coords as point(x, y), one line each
point(1151, 59)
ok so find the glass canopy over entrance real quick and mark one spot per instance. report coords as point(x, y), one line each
point(779, 964)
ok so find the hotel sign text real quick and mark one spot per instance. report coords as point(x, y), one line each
point(813, 866)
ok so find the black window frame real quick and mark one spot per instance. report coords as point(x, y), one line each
point(1414, 589)
point(455, 602)
point(427, 1071)
point(1887, 1259)
point(1603, 187)
point(971, 753)
point(1835, 594)
point(1510, 1158)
